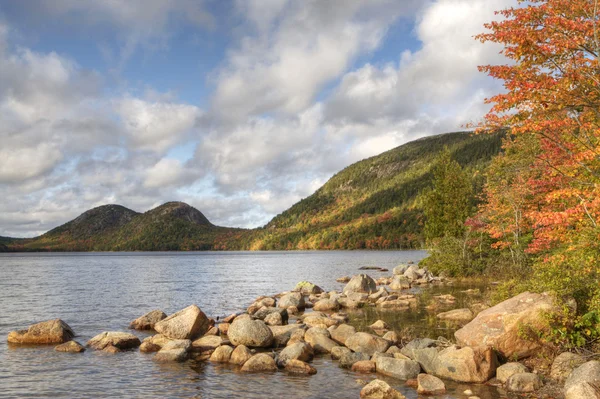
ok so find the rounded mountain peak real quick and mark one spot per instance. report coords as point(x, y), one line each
point(181, 210)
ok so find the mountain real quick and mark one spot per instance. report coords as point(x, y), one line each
point(171, 226)
point(375, 203)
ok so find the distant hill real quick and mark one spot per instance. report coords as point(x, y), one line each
point(171, 226)
point(375, 203)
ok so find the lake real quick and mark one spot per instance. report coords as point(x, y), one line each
point(95, 292)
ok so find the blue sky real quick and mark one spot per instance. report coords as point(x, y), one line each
point(240, 108)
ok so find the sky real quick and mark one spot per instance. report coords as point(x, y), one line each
point(238, 108)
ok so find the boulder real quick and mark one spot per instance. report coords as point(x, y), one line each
point(364, 366)
point(457, 315)
point(398, 368)
point(500, 327)
point(282, 334)
point(392, 336)
point(116, 339)
point(260, 362)
point(185, 344)
point(71, 347)
point(338, 351)
point(564, 364)
point(327, 305)
point(188, 323)
point(417, 344)
point(223, 328)
point(472, 365)
point(399, 283)
point(316, 320)
point(430, 385)
point(523, 382)
point(207, 343)
point(295, 366)
point(584, 382)
point(252, 333)
point(379, 325)
point(240, 355)
point(400, 270)
point(412, 273)
point(295, 299)
point(147, 321)
point(348, 359)
point(300, 351)
point(341, 333)
point(361, 283)
point(171, 355)
point(378, 389)
point(308, 288)
point(222, 354)
point(47, 332)
point(320, 339)
point(504, 372)
point(367, 343)
point(273, 319)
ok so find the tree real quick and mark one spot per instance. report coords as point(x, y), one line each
point(449, 203)
point(552, 98)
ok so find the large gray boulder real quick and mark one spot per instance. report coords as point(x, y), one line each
point(361, 283)
point(367, 343)
point(500, 327)
point(398, 368)
point(252, 333)
point(584, 382)
point(188, 323)
point(171, 355)
point(47, 332)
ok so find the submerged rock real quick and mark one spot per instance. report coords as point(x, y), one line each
point(296, 366)
point(430, 385)
point(71, 347)
point(171, 355)
point(115, 339)
point(260, 362)
point(364, 366)
point(47, 332)
point(457, 315)
point(348, 359)
point(378, 389)
point(148, 321)
point(500, 327)
point(188, 323)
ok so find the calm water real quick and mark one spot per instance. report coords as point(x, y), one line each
point(103, 292)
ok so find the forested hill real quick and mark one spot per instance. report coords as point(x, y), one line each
point(171, 226)
point(375, 203)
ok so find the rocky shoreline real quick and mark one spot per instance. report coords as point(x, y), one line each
point(286, 331)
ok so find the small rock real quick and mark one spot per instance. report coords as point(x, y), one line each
point(367, 343)
point(378, 389)
point(295, 299)
point(273, 319)
point(343, 280)
point(341, 333)
point(71, 347)
point(398, 368)
point(296, 366)
point(392, 336)
point(327, 305)
point(457, 315)
point(319, 339)
point(379, 325)
point(308, 288)
point(361, 283)
point(348, 359)
point(504, 372)
point(119, 340)
point(338, 351)
point(222, 354)
point(430, 385)
point(299, 351)
point(207, 343)
point(240, 355)
point(364, 366)
point(260, 362)
point(171, 355)
point(147, 321)
point(252, 333)
point(523, 382)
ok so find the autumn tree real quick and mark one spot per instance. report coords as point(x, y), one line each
point(551, 98)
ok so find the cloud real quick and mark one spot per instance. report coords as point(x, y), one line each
point(166, 173)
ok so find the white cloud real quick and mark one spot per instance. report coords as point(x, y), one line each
point(165, 173)
point(155, 126)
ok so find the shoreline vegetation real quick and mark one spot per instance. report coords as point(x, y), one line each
point(286, 331)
